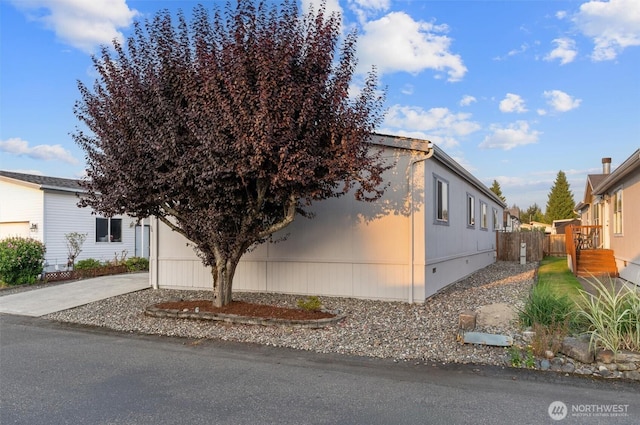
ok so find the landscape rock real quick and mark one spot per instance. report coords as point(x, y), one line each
point(527, 336)
point(467, 320)
point(603, 371)
point(604, 356)
point(498, 314)
point(627, 366)
point(632, 374)
point(577, 349)
point(627, 357)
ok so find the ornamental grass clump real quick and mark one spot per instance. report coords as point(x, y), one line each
point(612, 316)
point(543, 306)
point(550, 315)
point(21, 260)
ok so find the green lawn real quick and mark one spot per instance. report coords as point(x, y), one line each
point(555, 273)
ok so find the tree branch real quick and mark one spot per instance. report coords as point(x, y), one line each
point(290, 214)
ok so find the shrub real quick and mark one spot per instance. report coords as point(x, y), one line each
point(136, 264)
point(21, 260)
point(312, 303)
point(548, 338)
point(612, 316)
point(546, 308)
point(87, 264)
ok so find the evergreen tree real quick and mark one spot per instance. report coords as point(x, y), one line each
point(495, 188)
point(560, 204)
point(533, 213)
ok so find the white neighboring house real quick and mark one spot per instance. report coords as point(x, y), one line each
point(435, 224)
point(45, 208)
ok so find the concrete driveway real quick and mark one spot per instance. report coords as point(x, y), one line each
point(40, 302)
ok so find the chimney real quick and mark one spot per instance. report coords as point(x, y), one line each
point(606, 165)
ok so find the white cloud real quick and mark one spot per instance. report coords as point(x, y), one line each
point(561, 101)
point(407, 89)
point(439, 125)
point(512, 103)
point(523, 48)
point(331, 6)
point(514, 135)
point(541, 111)
point(613, 26)
point(397, 43)
point(467, 100)
point(365, 8)
point(80, 23)
point(565, 51)
point(19, 147)
point(561, 14)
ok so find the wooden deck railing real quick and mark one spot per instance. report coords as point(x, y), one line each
point(581, 237)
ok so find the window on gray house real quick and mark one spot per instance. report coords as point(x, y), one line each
point(495, 219)
point(471, 211)
point(484, 216)
point(108, 230)
point(442, 201)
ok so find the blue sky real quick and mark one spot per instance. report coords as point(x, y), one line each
point(513, 90)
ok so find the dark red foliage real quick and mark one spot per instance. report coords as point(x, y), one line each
point(227, 126)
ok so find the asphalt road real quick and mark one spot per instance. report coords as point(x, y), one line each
point(60, 374)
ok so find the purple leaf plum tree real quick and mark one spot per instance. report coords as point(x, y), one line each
point(228, 126)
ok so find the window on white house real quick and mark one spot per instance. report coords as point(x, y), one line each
point(442, 200)
point(471, 211)
point(495, 219)
point(108, 230)
point(484, 216)
point(617, 212)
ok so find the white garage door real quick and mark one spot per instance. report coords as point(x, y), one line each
point(16, 228)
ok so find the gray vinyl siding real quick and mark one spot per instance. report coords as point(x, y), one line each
point(390, 250)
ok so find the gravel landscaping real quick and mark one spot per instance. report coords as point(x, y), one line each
point(419, 332)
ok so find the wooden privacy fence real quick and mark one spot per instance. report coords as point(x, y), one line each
point(508, 245)
point(555, 245)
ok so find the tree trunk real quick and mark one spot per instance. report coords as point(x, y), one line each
point(223, 281)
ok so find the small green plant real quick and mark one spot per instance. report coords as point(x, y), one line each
point(21, 260)
point(519, 357)
point(311, 303)
point(612, 316)
point(136, 264)
point(530, 359)
point(88, 264)
point(515, 356)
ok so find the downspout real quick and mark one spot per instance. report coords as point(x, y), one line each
point(156, 244)
point(413, 162)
